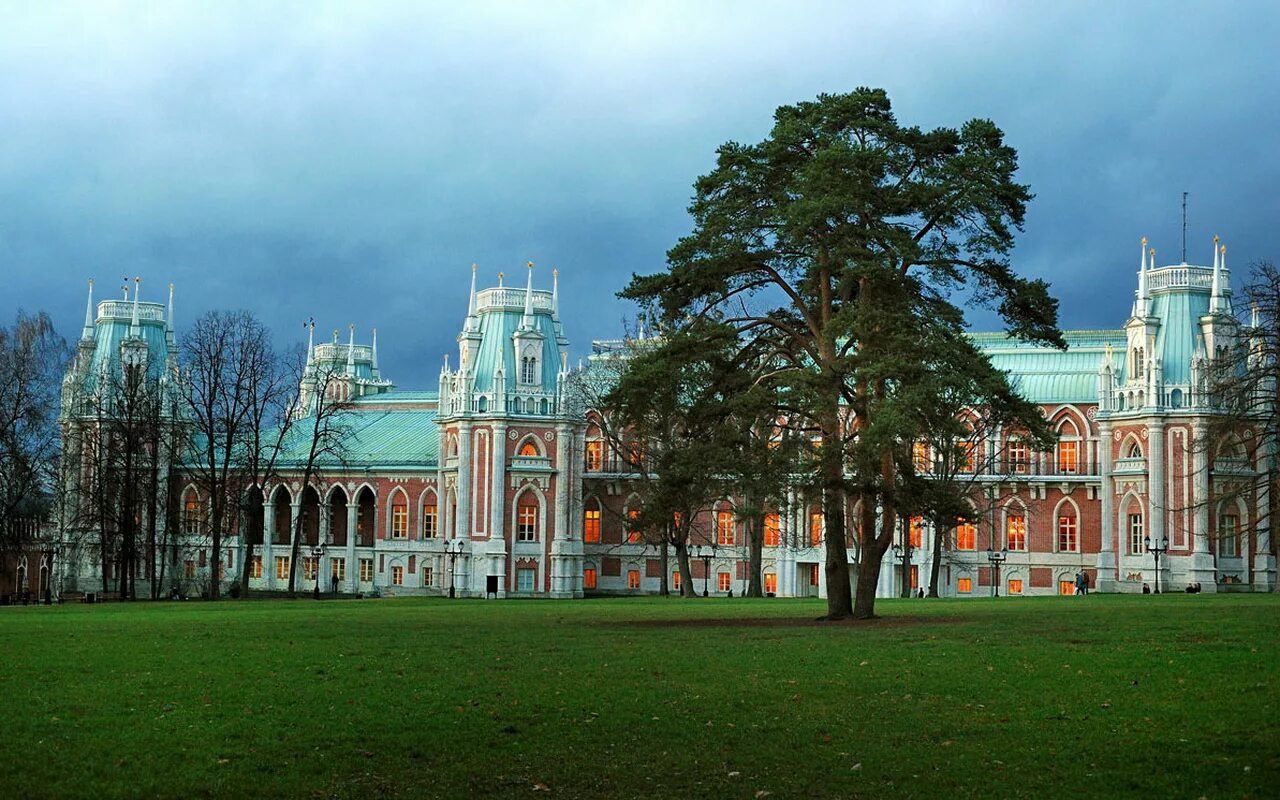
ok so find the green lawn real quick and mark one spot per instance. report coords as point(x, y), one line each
point(1172, 696)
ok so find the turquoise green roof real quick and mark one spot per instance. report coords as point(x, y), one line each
point(397, 398)
point(496, 330)
point(1179, 312)
point(373, 438)
point(109, 332)
point(1045, 375)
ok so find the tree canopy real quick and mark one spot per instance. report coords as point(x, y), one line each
point(837, 244)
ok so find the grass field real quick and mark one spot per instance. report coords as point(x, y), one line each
point(1105, 696)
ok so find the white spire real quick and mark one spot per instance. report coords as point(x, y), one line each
point(1215, 294)
point(310, 325)
point(88, 314)
point(169, 318)
point(134, 328)
point(375, 352)
point(1140, 303)
point(472, 322)
point(555, 294)
point(527, 322)
point(351, 351)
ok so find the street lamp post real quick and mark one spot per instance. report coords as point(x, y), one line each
point(453, 559)
point(317, 553)
point(996, 558)
point(1162, 546)
point(706, 553)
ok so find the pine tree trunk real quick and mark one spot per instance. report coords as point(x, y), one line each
point(755, 555)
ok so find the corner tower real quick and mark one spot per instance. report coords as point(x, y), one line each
point(510, 465)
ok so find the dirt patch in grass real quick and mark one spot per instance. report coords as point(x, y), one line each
point(784, 622)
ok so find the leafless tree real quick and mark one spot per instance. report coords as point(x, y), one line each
point(32, 360)
point(232, 375)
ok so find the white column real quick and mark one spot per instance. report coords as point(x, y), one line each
point(1156, 528)
point(353, 567)
point(1202, 568)
point(462, 525)
point(268, 540)
point(497, 545)
point(295, 511)
point(1106, 493)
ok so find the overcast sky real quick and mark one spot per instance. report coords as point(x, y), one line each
point(350, 161)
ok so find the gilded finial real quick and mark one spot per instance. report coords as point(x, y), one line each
point(1215, 238)
point(1153, 254)
point(555, 273)
point(1223, 249)
point(473, 267)
point(501, 275)
point(1144, 241)
point(91, 282)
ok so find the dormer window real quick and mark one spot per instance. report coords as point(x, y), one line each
point(1137, 362)
point(528, 370)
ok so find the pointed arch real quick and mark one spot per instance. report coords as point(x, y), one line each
point(528, 515)
point(1231, 528)
point(1013, 514)
point(309, 509)
point(530, 447)
point(1131, 522)
point(1066, 526)
point(1131, 444)
point(396, 514)
point(429, 513)
point(592, 523)
point(192, 511)
point(282, 509)
point(366, 515)
point(336, 504)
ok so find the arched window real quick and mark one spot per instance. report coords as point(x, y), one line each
point(528, 449)
point(1136, 528)
point(1016, 528)
point(725, 528)
point(815, 527)
point(1135, 451)
point(1229, 535)
point(1068, 540)
point(528, 369)
point(399, 517)
point(591, 523)
point(1137, 362)
point(192, 517)
point(430, 517)
point(966, 535)
point(527, 520)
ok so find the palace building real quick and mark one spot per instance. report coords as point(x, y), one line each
point(497, 483)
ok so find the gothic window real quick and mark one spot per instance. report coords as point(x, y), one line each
point(528, 369)
point(966, 536)
point(527, 521)
point(1228, 536)
point(1136, 545)
point(1068, 536)
point(1016, 532)
point(1137, 362)
point(724, 528)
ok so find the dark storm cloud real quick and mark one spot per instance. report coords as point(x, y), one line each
point(350, 161)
